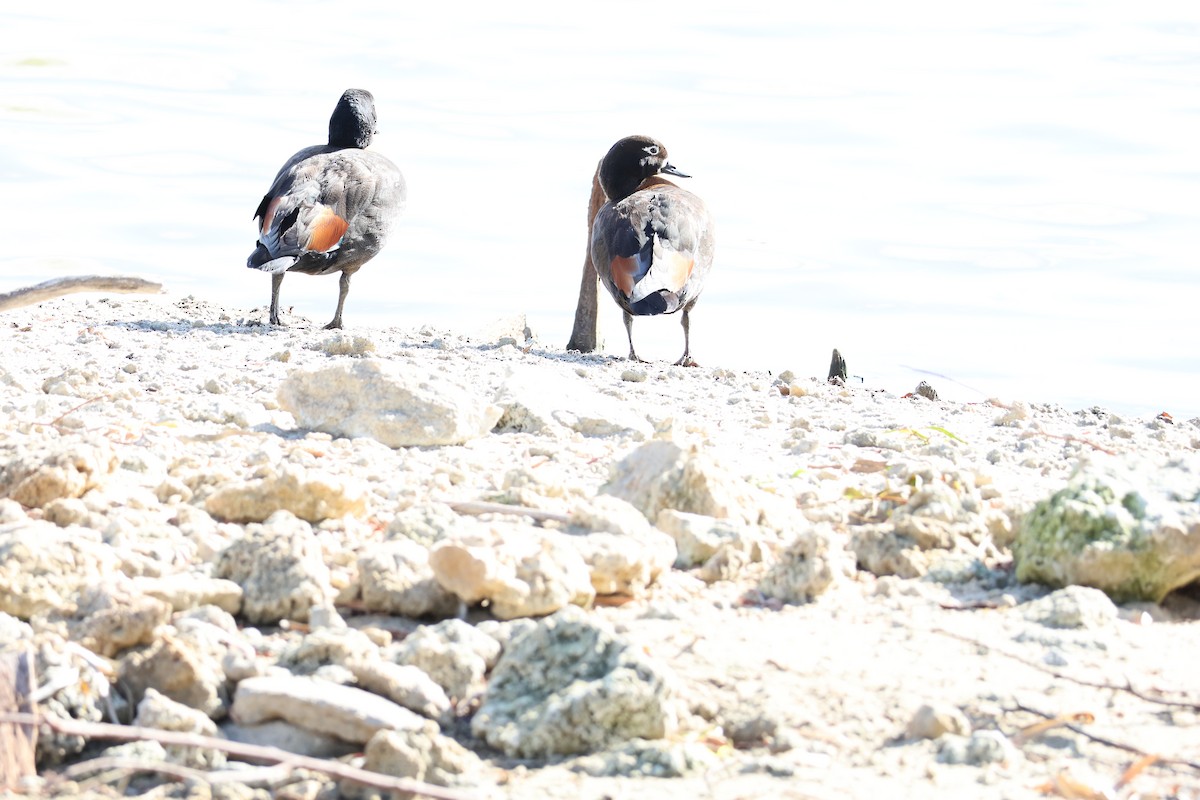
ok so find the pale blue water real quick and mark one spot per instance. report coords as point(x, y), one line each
point(1009, 198)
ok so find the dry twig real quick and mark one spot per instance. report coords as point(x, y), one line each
point(334, 769)
point(1128, 687)
point(1128, 748)
point(477, 507)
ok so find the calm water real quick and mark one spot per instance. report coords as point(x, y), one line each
point(1007, 198)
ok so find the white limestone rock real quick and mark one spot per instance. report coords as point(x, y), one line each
point(39, 472)
point(383, 401)
point(519, 570)
point(309, 495)
point(395, 577)
point(351, 714)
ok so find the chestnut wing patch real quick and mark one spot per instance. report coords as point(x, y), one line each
point(632, 255)
point(325, 231)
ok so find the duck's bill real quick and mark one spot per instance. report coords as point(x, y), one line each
point(670, 170)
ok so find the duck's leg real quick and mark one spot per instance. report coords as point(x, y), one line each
point(276, 282)
point(629, 332)
point(686, 360)
point(343, 290)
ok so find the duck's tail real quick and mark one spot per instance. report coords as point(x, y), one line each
point(261, 259)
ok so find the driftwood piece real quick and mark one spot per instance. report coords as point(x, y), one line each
point(837, 369)
point(17, 741)
point(58, 287)
point(583, 332)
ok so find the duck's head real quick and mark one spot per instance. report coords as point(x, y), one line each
point(630, 161)
point(353, 121)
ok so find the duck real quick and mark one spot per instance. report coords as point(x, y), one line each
point(652, 241)
point(331, 206)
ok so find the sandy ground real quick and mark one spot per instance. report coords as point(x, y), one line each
point(807, 700)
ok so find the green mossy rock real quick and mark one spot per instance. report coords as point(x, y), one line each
point(1134, 542)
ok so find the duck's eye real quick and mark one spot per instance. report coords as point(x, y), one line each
point(652, 149)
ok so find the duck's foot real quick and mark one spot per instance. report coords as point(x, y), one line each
point(686, 361)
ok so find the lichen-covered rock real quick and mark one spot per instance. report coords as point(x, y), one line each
point(311, 497)
point(980, 748)
point(381, 400)
point(181, 669)
point(571, 685)
point(1133, 541)
point(73, 685)
point(699, 538)
point(396, 578)
point(937, 515)
point(42, 567)
point(661, 474)
point(316, 705)
point(162, 713)
point(427, 523)
point(109, 619)
point(453, 653)
point(325, 646)
point(40, 472)
point(280, 568)
point(1072, 607)
point(807, 567)
point(519, 570)
point(649, 758)
point(223, 645)
point(423, 754)
point(623, 552)
point(878, 550)
point(943, 511)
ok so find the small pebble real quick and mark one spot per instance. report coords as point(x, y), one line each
point(634, 375)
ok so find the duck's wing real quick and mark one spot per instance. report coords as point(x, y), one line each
point(653, 248)
point(317, 198)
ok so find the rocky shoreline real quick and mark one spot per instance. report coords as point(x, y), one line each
point(482, 562)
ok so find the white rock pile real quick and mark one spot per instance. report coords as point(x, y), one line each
point(485, 562)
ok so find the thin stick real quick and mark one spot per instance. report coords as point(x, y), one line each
point(477, 507)
point(250, 776)
point(1128, 748)
point(176, 771)
point(64, 286)
point(334, 769)
point(1128, 687)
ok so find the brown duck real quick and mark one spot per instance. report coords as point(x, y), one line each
point(652, 242)
point(331, 206)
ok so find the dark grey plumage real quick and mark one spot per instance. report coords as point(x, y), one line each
point(331, 206)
